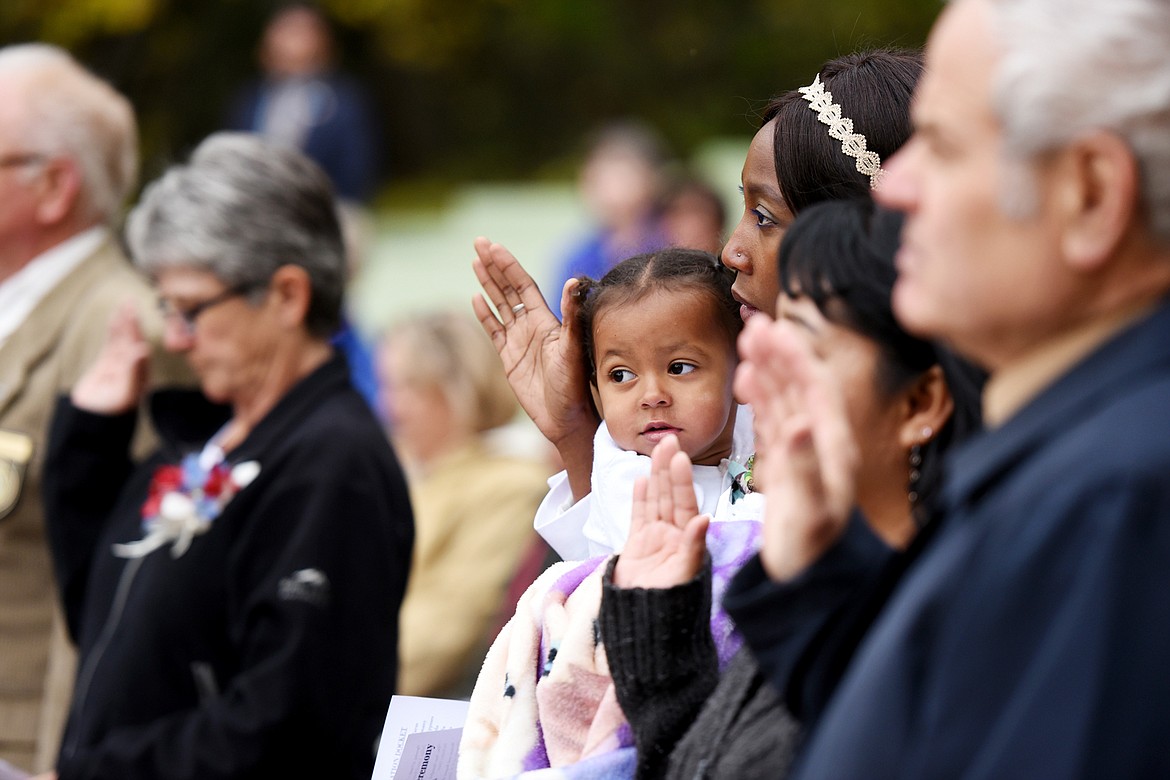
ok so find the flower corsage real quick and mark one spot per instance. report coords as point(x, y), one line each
point(741, 478)
point(183, 501)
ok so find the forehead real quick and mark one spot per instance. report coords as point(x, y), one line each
point(961, 60)
point(181, 282)
point(759, 167)
point(661, 318)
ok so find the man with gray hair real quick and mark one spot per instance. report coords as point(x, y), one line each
point(1029, 635)
point(68, 159)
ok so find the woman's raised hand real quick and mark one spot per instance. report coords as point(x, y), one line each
point(806, 456)
point(542, 355)
point(667, 534)
point(115, 382)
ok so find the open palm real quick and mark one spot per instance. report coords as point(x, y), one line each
point(541, 355)
point(667, 534)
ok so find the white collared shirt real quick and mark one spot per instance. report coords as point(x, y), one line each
point(21, 292)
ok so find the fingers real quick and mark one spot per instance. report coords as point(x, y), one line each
point(682, 488)
point(693, 542)
point(487, 320)
point(508, 286)
point(639, 512)
point(569, 303)
point(490, 280)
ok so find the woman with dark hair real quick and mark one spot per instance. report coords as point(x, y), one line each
point(794, 161)
point(906, 401)
point(805, 151)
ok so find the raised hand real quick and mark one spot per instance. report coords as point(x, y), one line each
point(541, 355)
point(667, 534)
point(115, 382)
point(806, 456)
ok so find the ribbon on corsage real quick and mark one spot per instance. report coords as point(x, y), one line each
point(184, 500)
point(741, 478)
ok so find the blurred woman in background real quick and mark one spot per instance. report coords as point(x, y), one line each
point(474, 492)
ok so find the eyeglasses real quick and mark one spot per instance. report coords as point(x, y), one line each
point(189, 314)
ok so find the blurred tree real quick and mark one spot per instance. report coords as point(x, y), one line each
point(480, 88)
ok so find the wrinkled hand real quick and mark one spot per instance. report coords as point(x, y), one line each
point(115, 382)
point(667, 534)
point(806, 456)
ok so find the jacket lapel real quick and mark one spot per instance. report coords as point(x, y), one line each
point(39, 334)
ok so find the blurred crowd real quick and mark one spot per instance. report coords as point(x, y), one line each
point(869, 482)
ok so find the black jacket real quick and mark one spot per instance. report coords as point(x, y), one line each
point(268, 649)
point(1028, 638)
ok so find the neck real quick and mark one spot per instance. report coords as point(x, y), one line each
point(287, 368)
point(22, 249)
point(889, 514)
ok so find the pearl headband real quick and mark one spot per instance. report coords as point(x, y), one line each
point(841, 128)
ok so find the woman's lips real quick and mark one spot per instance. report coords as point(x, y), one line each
point(746, 310)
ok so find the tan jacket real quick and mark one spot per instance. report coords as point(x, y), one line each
point(473, 522)
point(43, 358)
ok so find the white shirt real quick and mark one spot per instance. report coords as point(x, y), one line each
point(599, 523)
point(21, 292)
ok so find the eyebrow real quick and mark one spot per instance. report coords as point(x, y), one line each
point(796, 319)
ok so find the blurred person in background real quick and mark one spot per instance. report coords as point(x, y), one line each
point(304, 101)
point(621, 184)
point(474, 495)
point(693, 216)
point(68, 159)
point(235, 598)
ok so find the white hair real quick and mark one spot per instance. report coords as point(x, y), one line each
point(70, 112)
point(1072, 66)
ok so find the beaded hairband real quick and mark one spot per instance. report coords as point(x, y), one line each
point(841, 128)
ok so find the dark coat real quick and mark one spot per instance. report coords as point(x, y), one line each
point(342, 138)
point(1029, 638)
point(230, 661)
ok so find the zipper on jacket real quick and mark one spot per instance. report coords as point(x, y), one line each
point(85, 678)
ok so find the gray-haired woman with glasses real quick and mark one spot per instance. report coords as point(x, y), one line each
point(234, 599)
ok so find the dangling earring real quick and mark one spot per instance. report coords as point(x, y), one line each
point(916, 468)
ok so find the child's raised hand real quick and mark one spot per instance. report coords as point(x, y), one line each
point(806, 457)
point(667, 534)
point(115, 382)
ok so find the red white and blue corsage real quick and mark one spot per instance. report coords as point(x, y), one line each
point(184, 500)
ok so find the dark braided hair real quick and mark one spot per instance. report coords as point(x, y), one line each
point(666, 269)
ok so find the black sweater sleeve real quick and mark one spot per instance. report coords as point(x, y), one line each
point(663, 660)
point(803, 631)
point(87, 464)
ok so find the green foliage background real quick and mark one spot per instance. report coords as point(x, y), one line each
point(480, 89)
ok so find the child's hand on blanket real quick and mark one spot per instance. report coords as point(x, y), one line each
point(667, 534)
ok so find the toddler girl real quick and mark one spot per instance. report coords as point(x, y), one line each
point(659, 332)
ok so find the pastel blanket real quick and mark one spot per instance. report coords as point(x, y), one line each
point(544, 704)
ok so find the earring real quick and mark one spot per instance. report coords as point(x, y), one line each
point(915, 475)
point(916, 466)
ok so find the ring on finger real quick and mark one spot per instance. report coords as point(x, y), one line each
point(517, 308)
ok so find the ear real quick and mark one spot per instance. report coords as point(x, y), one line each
point(927, 407)
point(59, 190)
point(1097, 196)
point(293, 293)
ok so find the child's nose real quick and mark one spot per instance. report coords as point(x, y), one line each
point(654, 394)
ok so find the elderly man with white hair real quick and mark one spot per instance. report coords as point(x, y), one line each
point(1028, 634)
point(68, 159)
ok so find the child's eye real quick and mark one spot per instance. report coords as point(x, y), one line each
point(679, 368)
point(763, 218)
point(621, 375)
